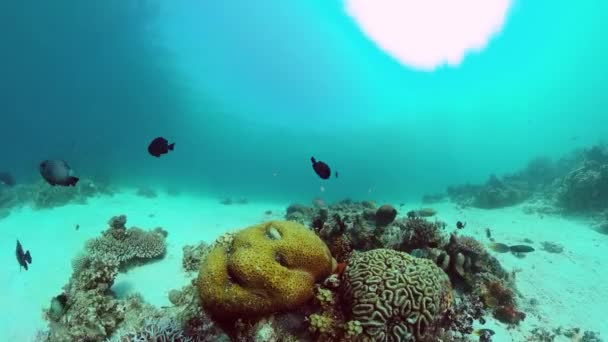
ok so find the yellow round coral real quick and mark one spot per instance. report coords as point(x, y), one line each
point(267, 268)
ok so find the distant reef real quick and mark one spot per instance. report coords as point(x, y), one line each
point(574, 184)
point(41, 195)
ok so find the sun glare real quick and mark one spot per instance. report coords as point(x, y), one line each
point(426, 34)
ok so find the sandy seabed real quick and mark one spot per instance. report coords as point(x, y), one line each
point(568, 289)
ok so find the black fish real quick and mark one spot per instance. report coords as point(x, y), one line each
point(57, 172)
point(336, 174)
point(23, 258)
point(521, 249)
point(321, 168)
point(460, 225)
point(160, 146)
point(6, 179)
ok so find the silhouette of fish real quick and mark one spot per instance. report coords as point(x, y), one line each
point(57, 172)
point(22, 258)
point(321, 168)
point(460, 225)
point(160, 146)
point(521, 249)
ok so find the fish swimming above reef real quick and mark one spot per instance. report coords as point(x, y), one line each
point(160, 146)
point(6, 179)
point(504, 248)
point(500, 247)
point(22, 258)
point(460, 225)
point(321, 168)
point(57, 172)
point(521, 249)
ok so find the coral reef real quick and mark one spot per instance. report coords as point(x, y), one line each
point(267, 268)
point(586, 188)
point(415, 233)
point(127, 245)
point(396, 296)
point(193, 255)
point(465, 260)
point(87, 309)
point(497, 295)
point(495, 193)
point(45, 196)
point(298, 213)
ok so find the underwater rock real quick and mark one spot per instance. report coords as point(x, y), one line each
point(396, 296)
point(269, 267)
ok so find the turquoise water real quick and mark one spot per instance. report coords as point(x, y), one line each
point(249, 91)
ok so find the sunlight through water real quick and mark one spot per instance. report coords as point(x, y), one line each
point(428, 34)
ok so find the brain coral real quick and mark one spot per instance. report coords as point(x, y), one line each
point(267, 268)
point(395, 296)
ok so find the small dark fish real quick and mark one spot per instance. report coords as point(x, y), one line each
point(460, 225)
point(321, 169)
point(336, 174)
point(521, 249)
point(484, 332)
point(160, 146)
point(57, 172)
point(489, 234)
point(77, 226)
point(22, 258)
point(499, 247)
point(6, 179)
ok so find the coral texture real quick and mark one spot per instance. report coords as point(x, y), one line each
point(267, 268)
point(128, 245)
point(395, 296)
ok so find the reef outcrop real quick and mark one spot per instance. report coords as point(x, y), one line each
point(266, 268)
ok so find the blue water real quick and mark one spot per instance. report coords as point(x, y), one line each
point(247, 89)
